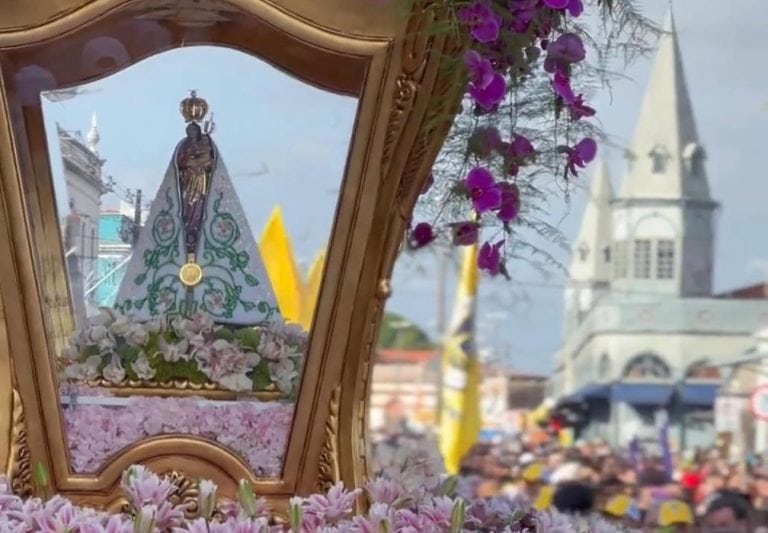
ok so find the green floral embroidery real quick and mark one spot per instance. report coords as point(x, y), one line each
point(219, 293)
point(222, 295)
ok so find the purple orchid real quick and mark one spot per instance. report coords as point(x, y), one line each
point(522, 13)
point(485, 141)
point(510, 202)
point(483, 190)
point(520, 147)
point(465, 233)
point(489, 258)
point(519, 151)
point(421, 235)
point(574, 7)
point(563, 52)
point(580, 154)
point(576, 106)
point(488, 98)
point(578, 109)
point(480, 69)
point(484, 24)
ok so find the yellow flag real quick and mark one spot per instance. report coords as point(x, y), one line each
point(276, 252)
point(311, 291)
point(460, 406)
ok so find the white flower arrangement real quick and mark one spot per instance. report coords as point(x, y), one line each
point(117, 349)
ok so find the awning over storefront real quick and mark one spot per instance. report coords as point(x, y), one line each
point(586, 393)
point(645, 393)
point(698, 394)
point(651, 394)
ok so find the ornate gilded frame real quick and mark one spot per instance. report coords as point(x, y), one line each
point(399, 69)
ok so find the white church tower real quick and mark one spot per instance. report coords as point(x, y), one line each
point(663, 217)
point(590, 270)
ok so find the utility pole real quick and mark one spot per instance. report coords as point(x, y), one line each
point(137, 217)
point(442, 271)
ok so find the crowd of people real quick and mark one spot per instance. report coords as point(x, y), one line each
point(704, 492)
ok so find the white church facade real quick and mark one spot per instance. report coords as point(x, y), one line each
point(644, 330)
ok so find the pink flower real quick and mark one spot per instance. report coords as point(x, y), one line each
point(383, 490)
point(489, 97)
point(484, 24)
point(226, 364)
point(489, 258)
point(337, 504)
point(579, 155)
point(561, 54)
point(483, 190)
point(465, 233)
point(510, 202)
point(421, 235)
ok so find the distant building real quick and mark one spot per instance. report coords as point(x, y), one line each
point(116, 237)
point(85, 187)
point(643, 329)
point(405, 391)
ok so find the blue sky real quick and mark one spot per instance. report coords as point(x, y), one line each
point(301, 134)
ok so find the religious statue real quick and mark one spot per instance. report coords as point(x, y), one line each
point(196, 252)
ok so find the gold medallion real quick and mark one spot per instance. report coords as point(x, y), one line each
point(190, 274)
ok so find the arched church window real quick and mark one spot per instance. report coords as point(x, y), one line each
point(693, 156)
point(702, 370)
point(665, 259)
point(647, 366)
point(604, 366)
point(607, 254)
point(583, 251)
point(642, 259)
point(659, 158)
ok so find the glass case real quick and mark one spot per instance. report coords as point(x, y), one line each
point(202, 201)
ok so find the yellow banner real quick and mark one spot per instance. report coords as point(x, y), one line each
point(460, 420)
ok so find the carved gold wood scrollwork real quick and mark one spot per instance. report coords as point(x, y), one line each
point(418, 41)
point(328, 468)
point(20, 467)
point(186, 493)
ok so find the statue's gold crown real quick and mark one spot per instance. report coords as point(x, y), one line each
point(193, 108)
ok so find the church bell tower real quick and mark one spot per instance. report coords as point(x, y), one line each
point(664, 217)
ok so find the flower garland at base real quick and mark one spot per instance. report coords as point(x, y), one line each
point(391, 510)
point(256, 431)
point(120, 349)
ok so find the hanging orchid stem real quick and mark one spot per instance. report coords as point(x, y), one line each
point(510, 44)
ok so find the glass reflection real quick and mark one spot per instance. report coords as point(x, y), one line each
point(185, 322)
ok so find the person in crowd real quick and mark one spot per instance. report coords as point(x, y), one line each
point(574, 497)
point(728, 512)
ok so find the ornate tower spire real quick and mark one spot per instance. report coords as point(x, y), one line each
point(665, 158)
point(590, 269)
point(663, 218)
point(590, 260)
point(93, 136)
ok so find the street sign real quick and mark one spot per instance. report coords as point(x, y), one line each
point(728, 411)
point(758, 402)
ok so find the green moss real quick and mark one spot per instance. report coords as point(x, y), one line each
point(182, 370)
point(248, 337)
point(260, 376)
